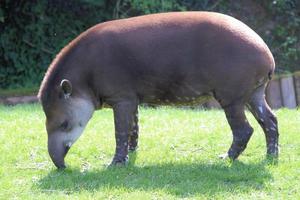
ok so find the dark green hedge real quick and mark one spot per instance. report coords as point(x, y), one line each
point(33, 31)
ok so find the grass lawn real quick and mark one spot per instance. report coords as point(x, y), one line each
point(177, 159)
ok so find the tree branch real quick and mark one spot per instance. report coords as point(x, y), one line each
point(34, 46)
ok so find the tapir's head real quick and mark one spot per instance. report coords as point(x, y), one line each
point(67, 112)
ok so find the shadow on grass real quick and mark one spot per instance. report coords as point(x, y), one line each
point(176, 179)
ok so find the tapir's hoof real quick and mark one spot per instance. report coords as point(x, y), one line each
point(272, 155)
point(272, 159)
point(223, 156)
point(61, 167)
point(226, 156)
point(132, 148)
point(273, 152)
point(119, 162)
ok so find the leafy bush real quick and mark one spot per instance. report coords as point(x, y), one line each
point(284, 39)
point(33, 32)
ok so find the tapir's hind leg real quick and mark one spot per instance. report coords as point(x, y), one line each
point(267, 120)
point(240, 127)
point(134, 134)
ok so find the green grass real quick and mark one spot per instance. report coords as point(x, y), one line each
point(177, 158)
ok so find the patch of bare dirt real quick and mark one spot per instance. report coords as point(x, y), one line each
point(18, 100)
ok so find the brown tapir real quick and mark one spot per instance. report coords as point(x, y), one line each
point(167, 58)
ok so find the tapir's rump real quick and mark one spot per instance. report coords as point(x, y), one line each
point(168, 58)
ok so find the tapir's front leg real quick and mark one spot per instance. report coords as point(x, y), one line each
point(123, 117)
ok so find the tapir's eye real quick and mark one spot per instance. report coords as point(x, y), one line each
point(64, 125)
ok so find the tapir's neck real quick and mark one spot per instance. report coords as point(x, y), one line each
point(70, 64)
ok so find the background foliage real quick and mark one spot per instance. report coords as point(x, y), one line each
point(32, 32)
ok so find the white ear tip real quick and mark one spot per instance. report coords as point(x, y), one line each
point(66, 87)
point(63, 82)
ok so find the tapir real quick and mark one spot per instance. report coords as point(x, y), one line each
point(174, 58)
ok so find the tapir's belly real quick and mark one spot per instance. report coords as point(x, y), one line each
point(177, 100)
point(173, 92)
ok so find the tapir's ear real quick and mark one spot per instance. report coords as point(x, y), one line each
point(66, 87)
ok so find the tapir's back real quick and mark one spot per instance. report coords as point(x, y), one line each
point(204, 29)
point(169, 50)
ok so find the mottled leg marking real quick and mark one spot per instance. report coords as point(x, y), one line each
point(123, 118)
point(241, 129)
point(134, 134)
point(267, 120)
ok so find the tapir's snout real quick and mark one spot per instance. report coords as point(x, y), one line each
point(57, 149)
